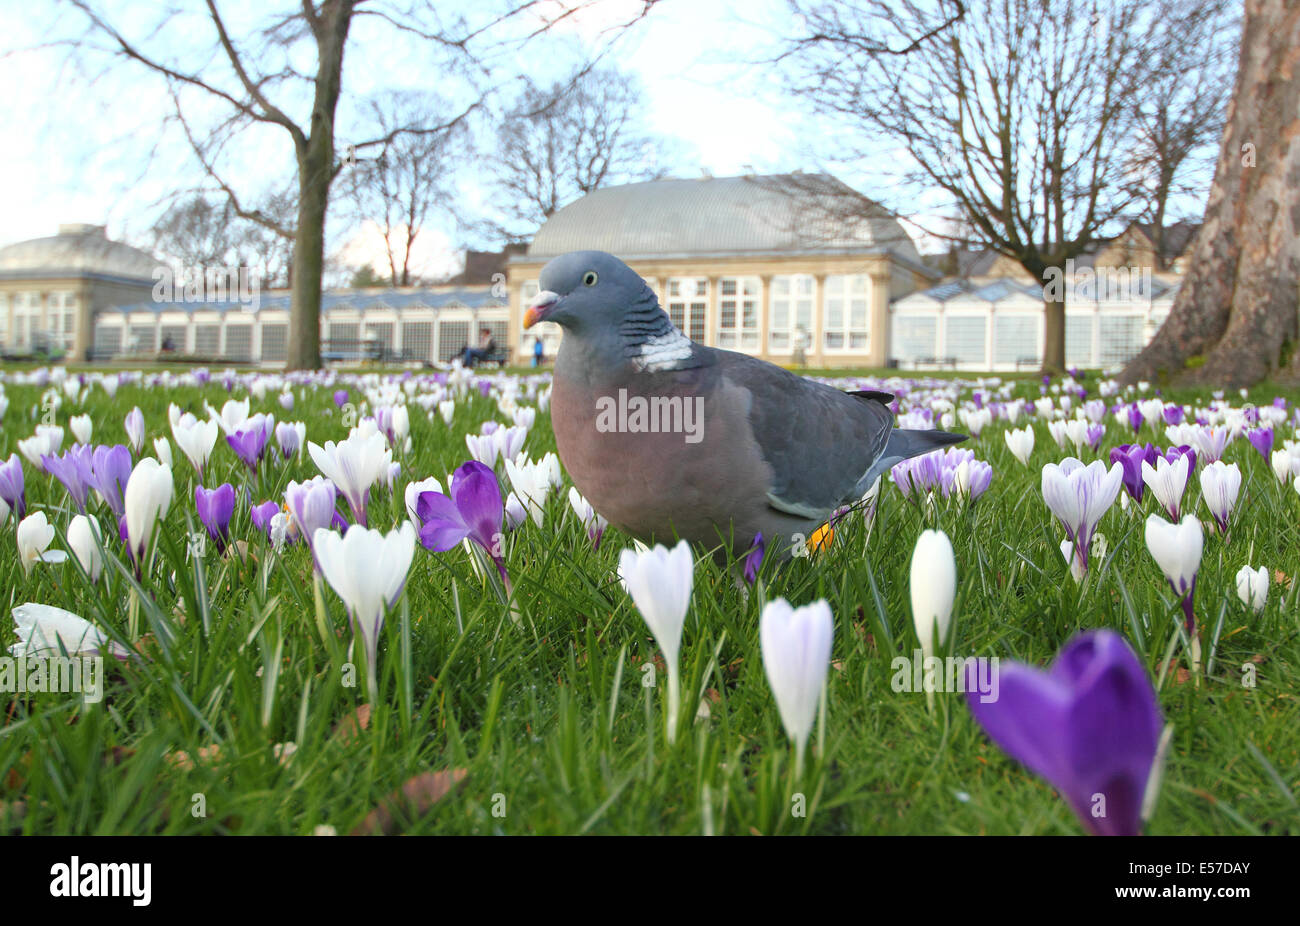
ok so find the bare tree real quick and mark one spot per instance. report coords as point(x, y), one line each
point(1179, 113)
point(198, 232)
point(408, 179)
point(205, 232)
point(1234, 319)
point(253, 78)
point(1018, 111)
point(560, 142)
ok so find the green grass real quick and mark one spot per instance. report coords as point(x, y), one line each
point(547, 715)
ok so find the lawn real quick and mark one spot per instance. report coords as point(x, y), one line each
point(535, 715)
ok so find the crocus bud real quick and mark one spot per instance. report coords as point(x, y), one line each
point(933, 585)
point(84, 542)
point(796, 645)
point(1252, 587)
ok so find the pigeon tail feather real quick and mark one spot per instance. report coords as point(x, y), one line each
point(905, 443)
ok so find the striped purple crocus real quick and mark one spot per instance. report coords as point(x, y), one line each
point(110, 471)
point(472, 510)
point(13, 487)
point(73, 469)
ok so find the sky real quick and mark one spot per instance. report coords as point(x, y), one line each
point(91, 138)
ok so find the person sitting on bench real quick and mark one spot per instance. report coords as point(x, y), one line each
point(487, 346)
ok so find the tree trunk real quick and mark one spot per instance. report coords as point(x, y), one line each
point(308, 261)
point(315, 174)
point(1238, 304)
point(1053, 335)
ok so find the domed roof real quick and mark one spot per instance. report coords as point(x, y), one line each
point(77, 250)
point(723, 216)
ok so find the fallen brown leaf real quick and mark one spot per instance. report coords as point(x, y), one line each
point(411, 801)
point(353, 725)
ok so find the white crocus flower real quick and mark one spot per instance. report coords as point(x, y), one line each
point(1058, 430)
point(162, 449)
point(1167, 482)
point(933, 583)
point(85, 542)
point(147, 498)
point(1252, 587)
point(354, 465)
point(34, 535)
point(44, 630)
point(232, 417)
point(367, 569)
point(82, 428)
point(660, 583)
point(1020, 443)
point(1220, 485)
point(796, 647)
point(1176, 549)
point(412, 496)
point(531, 484)
point(196, 440)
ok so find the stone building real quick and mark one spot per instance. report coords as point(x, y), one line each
point(51, 288)
point(753, 264)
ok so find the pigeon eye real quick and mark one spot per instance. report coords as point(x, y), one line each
point(589, 278)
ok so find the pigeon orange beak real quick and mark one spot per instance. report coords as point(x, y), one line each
point(540, 307)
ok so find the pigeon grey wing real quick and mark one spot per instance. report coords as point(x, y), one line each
point(819, 441)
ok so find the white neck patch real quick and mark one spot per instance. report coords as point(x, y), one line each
point(664, 352)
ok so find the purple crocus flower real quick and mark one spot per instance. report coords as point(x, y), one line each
point(1173, 414)
point(1094, 435)
point(472, 510)
point(341, 398)
point(975, 479)
point(1173, 453)
point(110, 470)
point(125, 537)
point(312, 505)
point(754, 559)
point(249, 444)
point(1262, 440)
point(13, 486)
point(134, 425)
point(262, 515)
point(287, 436)
point(73, 469)
point(1135, 418)
point(1090, 725)
point(215, 507)
point(1131, 457)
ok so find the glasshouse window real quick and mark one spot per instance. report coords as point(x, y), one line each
point(417, 340)
point(738, 313)
point(1121, 338)
point(275, 343)
point(915, 337)
point(792, 309)
point(1078, 340)
point(846, 312)
point(1017, 338)
point(688, 303)
point(964, 338)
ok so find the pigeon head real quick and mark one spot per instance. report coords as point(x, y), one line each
point(586, 291)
